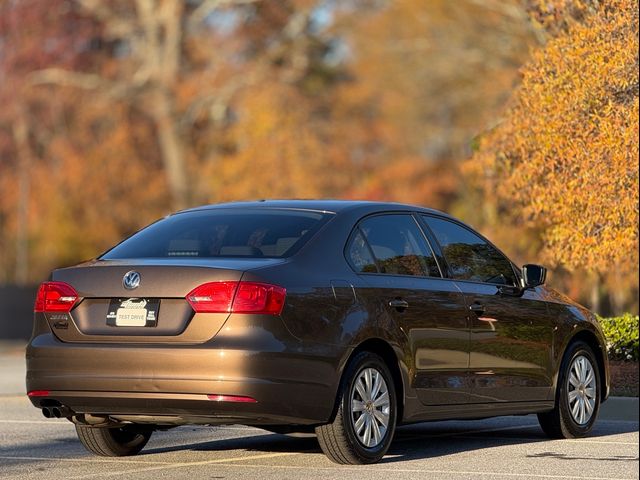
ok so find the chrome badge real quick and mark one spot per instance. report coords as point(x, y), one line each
point(131, 280)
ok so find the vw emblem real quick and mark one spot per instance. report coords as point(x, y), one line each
point(131, 280)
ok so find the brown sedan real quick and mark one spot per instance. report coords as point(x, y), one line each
point(343, 318)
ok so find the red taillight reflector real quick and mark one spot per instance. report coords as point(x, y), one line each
point(55, 297)
point(237, 297)
point(39, 393)
point(231, 398)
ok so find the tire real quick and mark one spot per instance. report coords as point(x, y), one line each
point(566, 420)
point(345, 440)
point(114, 442)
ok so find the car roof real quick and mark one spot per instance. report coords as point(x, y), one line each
point(333, 206)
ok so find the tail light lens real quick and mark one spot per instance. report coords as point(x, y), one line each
point(237, 297)
point(56, 297)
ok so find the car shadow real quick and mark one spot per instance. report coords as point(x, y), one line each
point(419, 441)
point(424, 441)
point(413, 442)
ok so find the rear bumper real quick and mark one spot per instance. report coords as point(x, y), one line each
point(290, 385)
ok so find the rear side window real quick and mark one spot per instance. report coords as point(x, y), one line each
point(399, 246)
point(469, 256)
point(222, 233)
point(360, 255)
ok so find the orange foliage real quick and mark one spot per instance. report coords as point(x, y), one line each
point(565, 157)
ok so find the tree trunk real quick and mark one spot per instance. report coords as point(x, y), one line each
point(20, 135)
point(600, 299)
point(171, 150)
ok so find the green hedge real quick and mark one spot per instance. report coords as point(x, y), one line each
point(622, 337)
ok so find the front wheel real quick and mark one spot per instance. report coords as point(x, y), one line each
point(114, 442)
point(365, 421)
point(578, 397)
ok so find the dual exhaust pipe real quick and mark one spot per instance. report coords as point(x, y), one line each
point(57, 412)
point(61, 411)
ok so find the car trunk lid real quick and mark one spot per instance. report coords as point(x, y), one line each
point(106, 309)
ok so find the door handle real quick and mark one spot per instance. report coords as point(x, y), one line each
point(477, 308)
point(398, 304)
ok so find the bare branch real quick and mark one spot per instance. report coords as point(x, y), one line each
point(67, 78)
point(171, 14)
point(84, 81)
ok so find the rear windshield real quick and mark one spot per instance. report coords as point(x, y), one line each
point(222, 233)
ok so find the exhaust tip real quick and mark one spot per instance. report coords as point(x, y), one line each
point(56, 412)
point(46, 412)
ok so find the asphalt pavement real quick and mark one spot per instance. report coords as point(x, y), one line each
point(32, 447)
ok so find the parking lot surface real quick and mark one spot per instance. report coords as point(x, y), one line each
point(32, 447)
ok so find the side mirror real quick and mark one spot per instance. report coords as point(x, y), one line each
point(533, 275)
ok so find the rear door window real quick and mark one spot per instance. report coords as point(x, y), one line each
point(223, 233)
point(469, 256)
point(399, 246)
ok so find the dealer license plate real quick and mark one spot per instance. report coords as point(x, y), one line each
point(133, 312)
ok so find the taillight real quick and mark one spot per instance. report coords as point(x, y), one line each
point(55, 297)
point(237, 297)
point(212, 297)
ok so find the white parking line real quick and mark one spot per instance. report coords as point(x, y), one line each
point(81, 460)
point(187, 464)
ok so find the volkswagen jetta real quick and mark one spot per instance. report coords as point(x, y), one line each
point(339, 318)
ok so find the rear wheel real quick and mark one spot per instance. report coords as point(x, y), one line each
point(114, 442)
point(578, 397)
point(365, 421)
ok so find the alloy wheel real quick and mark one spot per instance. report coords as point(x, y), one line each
point(581, 390)
point(370, 407)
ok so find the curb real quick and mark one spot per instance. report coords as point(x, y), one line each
point(620, 408)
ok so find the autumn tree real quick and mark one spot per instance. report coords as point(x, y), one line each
point(116, 112)
point(564, 159)
point(425, 78)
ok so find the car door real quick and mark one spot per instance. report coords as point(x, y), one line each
point(511, 332)
point(394, 260)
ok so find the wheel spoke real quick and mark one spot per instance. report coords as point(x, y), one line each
point(573, 380)
point(377, 436)
point(360, 423)
point(376, 385)
point(357, 406)
point(368, 383)
point(573, 394)
point(590, 377)
point(367, 431)
point(589, 405)
point(590, 392)
point(382, 400)
point(361, 389)
point(575, 410)
point(382, 417)
point(580, 370)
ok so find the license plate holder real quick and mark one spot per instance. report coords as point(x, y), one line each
point(133, 312)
